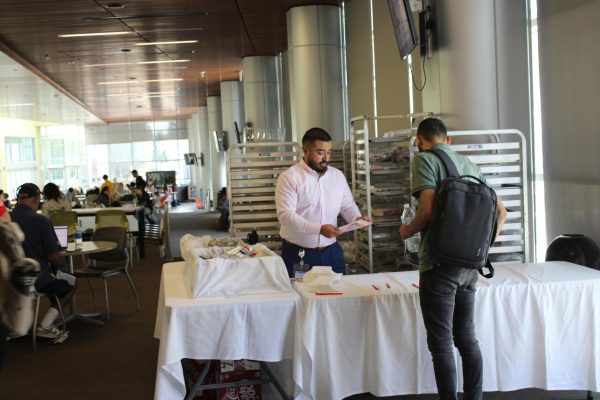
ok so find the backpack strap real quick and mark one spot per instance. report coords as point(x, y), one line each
point(449, 165)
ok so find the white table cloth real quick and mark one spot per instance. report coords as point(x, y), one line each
point(259, 327)
point(537, 324)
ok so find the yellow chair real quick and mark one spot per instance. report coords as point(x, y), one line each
point(65, 218)
point(116, 218)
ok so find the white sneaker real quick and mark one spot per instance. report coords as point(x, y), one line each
point(50, 332)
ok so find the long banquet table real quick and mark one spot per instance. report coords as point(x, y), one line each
point(257, 327)
point(537, 324)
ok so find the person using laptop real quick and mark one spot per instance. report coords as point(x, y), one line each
point(42, 245)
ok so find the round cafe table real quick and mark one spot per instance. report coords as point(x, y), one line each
point(89, 247)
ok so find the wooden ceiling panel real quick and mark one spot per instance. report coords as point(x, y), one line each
point(226, 31)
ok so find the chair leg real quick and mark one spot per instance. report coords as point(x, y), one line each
point(106, 298)
point(35, 320)
point(137, 302)
point(61, 313)
point(93, 293)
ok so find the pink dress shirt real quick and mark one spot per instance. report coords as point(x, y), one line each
point(305, 201)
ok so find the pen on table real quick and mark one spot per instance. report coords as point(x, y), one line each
point(328, 293)
point(415, 285)
point(376, 287)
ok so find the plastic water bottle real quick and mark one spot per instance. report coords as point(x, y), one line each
point(412, 243)
point(78, 236)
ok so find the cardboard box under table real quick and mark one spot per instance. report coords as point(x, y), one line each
point(222, 310)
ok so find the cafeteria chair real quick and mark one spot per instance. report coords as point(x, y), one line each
point(65, 218)
point(110, 263)
point(38, 297)
point(577, 249)
point(112, 217)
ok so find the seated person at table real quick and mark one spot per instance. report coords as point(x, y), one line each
point(71, 197)
point(143, 199)
point(41, 244)
point(119, 191)
point(55, 200)
point(104, 198)
point(6, 200)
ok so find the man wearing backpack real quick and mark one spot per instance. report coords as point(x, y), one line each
point(446, 293)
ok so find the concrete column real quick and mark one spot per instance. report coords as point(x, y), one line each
point(461, 77)
point(217, 158)
point(261, 98)
point(315, 60)
point(232, 109)
point(203, 154)
point(194, 141)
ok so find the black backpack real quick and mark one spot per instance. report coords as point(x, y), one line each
point(463, 225)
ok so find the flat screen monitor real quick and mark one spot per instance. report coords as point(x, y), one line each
point(62, 236)
point(190, 158)
point(404, 27)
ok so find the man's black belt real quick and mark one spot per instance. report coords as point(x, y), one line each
point(317, 249)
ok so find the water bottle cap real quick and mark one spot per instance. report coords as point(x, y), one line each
point(406, 205)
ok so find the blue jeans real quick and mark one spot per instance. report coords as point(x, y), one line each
point(332, 255)
point(447, 297)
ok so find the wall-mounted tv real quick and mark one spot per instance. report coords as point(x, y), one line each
point(190, 158)
point(404, 26)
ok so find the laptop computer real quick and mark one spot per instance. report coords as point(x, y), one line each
point(62, 236)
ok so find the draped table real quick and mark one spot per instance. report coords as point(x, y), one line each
point(256, 327)
point(538, 326)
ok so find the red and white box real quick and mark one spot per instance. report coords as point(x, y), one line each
point(235, 371)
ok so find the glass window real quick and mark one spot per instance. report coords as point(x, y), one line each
point(167, 150)
point(119, 152)
point(15, 178)
point(142, 151)
point(19, 149)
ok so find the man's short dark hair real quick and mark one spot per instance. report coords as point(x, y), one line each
point(430, 128)
point(104, 176)
point(314, 134)
point(134, 171)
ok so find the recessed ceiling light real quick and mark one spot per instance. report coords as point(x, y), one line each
point(160, 43)
point(162, 62)
point(137, 82)
point(134, 63)
point(95, 34)
point(19, 105)
point(140, 94)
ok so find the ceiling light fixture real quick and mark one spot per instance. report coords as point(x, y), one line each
point(136, 63)
point(70, 35)
point(140, 94)
point(19, 105)
point(162, 62)
point(160, 43)
point(137, 82)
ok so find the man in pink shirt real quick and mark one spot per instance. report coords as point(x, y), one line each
point(309, 197)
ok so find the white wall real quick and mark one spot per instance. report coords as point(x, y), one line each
point(569, 35)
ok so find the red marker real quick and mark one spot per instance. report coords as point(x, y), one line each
point(415, 285)
point(387, 285)
point(375, 286)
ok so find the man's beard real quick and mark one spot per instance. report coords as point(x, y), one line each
point(321, 167)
